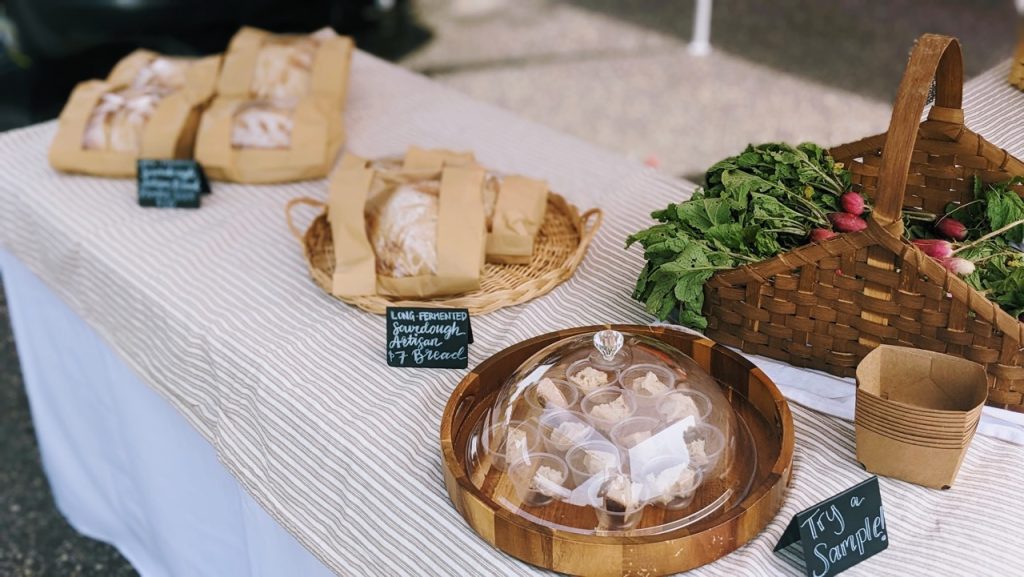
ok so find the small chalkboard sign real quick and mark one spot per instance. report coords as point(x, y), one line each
point(428, 338)
point(171, 183)
point(839, 532)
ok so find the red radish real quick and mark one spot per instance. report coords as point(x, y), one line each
point(960, 266)
point(934, 247)
point(852, 203)
point(821, 234)
point(847, 222)
point(951, 228)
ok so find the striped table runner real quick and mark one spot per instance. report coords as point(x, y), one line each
point(214, 310)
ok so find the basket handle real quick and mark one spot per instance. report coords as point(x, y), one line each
point(288, 213)
point(934, 57)
point(587, 233)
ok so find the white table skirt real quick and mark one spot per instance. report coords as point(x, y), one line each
point(125, 467)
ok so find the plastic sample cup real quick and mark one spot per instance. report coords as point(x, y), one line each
point(647, 396)
point(633, 431)
point(536, 399)
point(539, 479)
point(711, 442)
point(593, 458)
point(563, 430)
point(510, 443)
point(671, 481)
point(679, 404)
point(602, 408)
point(617, 510)
point(582, 373)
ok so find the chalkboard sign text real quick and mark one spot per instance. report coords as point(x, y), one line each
point(426, 337)
point(171, 183)
point(839, 532)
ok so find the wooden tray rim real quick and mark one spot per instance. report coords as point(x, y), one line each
point(780, 470)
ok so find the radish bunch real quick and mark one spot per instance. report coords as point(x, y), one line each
point(849, 220)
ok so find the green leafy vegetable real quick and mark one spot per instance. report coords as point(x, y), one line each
point(769, 198)
point(755, 205)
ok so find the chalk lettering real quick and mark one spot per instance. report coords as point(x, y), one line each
point(836, 517)
point(428, 337)
point(839, 532)
point(824, 560)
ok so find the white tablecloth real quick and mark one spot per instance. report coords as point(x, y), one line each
point(213, 310)
point(123, 465)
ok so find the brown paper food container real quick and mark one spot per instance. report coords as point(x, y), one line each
point(169, 133)
point(916, 436)
point(896, 410)
point(916, 413)
point(928, 466)
point(962, 445)
point(923, 381)
point(877, 408)
point(460, 231)
point(318, 121)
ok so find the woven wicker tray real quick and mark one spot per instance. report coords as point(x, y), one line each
point(560, 247)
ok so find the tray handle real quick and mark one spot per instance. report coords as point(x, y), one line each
point(305, 200)
point(934, 57)
point(590, 222)
point(462, 411)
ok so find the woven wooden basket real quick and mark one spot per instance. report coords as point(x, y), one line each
point(827, 305)
point(559, 248)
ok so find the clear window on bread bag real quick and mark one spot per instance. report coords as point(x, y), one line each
point(120, 116)
point(263, 124)
point(281, 77)
point(119, 119)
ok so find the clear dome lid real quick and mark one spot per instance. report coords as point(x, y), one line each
point(611, 433)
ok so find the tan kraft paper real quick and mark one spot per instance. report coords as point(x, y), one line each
point(517, 213)
point(169, 133)
point(460, 232)
point(318, 124)
point(928, 466)
point(433, 160)
point(941, 397)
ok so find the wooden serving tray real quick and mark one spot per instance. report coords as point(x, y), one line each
point(767, 460)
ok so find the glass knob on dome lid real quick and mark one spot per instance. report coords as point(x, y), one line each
point(610, 352)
